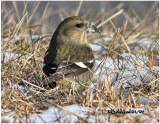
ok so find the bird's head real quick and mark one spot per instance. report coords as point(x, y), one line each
point(74, 29)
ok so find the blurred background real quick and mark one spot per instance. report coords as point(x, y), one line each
point(55, 11)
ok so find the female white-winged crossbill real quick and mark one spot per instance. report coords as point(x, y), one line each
point(69, 60)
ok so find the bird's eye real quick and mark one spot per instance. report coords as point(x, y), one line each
point(80, 25)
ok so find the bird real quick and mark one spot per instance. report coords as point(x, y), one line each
point(69, 60)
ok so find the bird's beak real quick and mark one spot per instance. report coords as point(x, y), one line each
point(93, 28)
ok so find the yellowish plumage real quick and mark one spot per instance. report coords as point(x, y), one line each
point(69, 45)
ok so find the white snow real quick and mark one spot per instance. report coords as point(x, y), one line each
point(57, 115)
point(5, 118)
point(54, 114)
point(127, 72)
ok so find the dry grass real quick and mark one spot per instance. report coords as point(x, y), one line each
point(28, 42)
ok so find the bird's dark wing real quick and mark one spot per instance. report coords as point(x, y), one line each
point(49, 69)
point(69, 69)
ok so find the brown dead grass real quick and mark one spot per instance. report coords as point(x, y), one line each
point(25, 65)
